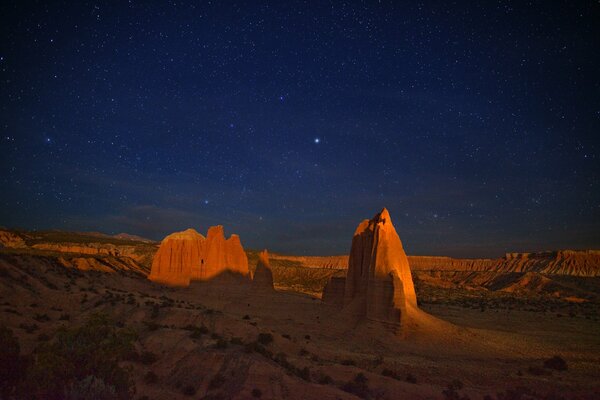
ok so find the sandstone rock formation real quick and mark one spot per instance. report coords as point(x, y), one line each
point(379, 285)
point(185, 256)
point(263, 276)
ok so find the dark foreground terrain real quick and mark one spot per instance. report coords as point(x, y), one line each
point(80, 323)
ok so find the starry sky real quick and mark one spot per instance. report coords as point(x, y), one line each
point(477, 124)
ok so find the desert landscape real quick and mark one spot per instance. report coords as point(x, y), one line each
point(274, 326)
point(300, 200)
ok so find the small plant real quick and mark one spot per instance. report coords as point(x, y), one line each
point(246, 316)
point(64, 317)
point(307, 337)
point(358, 386)
point(236, 341)
point(41, 317)
point(265, 338)
point(189, 390)
point(148, 358)
point(42, 337)
point(150, 378)
point(221, 344)
point(304, 374)
point(216, 382)
point(556, 363)
point(325, 380)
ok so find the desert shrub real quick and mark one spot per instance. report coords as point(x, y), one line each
point(11, 363)
point(151, 325)
point(358, 386)
point(80, 359)
point(557, 363)
point(189, 390)
point(256, 393)
point(150, 378)
point(197, 332)
point(64, 317)
point(155, 311)
point(42, 337)
point(147, 358)
point(325, 379)
point(29, 328)
point(90, 387)
point(307, 337)
point(221, 344)
point(265, 338)
point(216, 382)
point(390, 373)
point(237, 341)
point(258, 348)
point(452, 391)
point(246, 316)
point(41, 317)
point(304, 374)
point(410, 378)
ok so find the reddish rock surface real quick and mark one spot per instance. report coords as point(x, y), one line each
point(379, 285)
point(185, 256)
point(263, 276)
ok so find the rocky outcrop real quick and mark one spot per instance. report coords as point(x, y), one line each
point(12, 240)
point(185, 256)
point(263, 276)
point(379, 285)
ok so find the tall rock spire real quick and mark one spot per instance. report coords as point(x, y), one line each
point(379, 283)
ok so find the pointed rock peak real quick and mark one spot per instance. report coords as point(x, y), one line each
point(263, 258)
point(383, 216)
point(234, 238)
point(216, 230)
point(188, 234)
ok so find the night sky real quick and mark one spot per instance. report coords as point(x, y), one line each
point(476, 124)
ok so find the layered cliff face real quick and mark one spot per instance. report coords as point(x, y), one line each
point(562, 262)
point(379, 284)
point(263, 276)
point(185, 256)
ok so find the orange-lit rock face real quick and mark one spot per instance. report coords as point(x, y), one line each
point(379, 281)
point(263, 276)
point(187, 255)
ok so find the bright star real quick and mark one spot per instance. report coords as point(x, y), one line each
point(317, 140)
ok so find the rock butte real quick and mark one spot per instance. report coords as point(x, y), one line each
point(378, 285)
point(186, 256)
point(263, 276)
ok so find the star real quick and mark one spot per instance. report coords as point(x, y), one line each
point(317, 140)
